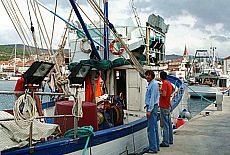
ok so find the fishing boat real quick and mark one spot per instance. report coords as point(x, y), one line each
point(99, 108)
point(210, 80)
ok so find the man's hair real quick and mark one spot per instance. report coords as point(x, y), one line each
point(163, 75)
point(150, 72)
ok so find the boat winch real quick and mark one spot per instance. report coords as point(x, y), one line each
point(110, 112)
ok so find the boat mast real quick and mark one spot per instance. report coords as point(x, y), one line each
point(212, 48)
point(15, 51)
point(95, 52)
point(23, 62)
point(106, 31)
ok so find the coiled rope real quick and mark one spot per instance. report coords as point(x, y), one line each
point(24, 110)
point(81, 132)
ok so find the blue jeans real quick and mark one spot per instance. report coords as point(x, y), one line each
point(152, 130)
point(167, 126)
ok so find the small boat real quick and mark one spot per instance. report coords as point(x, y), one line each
point(14, 77)
point(82, 118)
point(2, 78)
point(202, 90)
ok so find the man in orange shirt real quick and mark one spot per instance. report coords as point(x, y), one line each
point(165, 107)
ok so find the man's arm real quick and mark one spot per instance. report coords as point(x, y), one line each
point(163, 93)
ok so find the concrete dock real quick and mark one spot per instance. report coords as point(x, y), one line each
point(208, 133)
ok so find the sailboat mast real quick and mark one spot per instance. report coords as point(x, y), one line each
point(15, 52)
point(213, 55)
point(23, 56)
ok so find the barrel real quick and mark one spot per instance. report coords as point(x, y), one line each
point(66, 123)
point(89, 115)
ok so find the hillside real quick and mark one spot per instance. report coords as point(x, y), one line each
point(174, 56)
point(7, 52)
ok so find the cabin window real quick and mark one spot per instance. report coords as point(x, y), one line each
point(222, 83)
point(120, 84)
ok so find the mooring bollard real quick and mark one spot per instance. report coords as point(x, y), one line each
point(219, 101)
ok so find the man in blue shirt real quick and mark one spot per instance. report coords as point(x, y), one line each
point(152, 100)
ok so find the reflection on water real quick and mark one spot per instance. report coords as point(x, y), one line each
point(193, 105)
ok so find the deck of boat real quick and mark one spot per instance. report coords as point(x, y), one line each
point(206, 133)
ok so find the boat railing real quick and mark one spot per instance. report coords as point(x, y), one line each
point(179, 91)
point(8, 99)
point(38, 93)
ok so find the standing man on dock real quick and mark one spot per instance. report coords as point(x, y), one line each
point(151, 100)
point(165, 107)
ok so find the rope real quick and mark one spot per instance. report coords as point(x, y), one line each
point(24, 110)
point(201, 96)
point(81, 133)
point(56, 3)
point(77, 102)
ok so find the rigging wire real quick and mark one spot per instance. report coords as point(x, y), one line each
point(39, 25)
point(32, 28)
point(136, 65)
point(100, 13)
point(9, 9)
point(101, 34)
point(30, 51)
point(56, 3)
point(46, 36)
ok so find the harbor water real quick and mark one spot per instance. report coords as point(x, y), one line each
point(193, 105)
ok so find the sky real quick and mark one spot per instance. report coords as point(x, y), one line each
point(198, 24)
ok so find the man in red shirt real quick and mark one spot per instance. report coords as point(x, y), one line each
point(165, 107)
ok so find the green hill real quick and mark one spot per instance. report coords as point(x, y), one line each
point(8, 52)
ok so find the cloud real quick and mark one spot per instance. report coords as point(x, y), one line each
point(221, 38)
point(196, 23)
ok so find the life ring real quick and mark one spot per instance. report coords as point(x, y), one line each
point(116, 51)
point(83, 41)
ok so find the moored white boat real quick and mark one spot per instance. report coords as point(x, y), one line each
point(13, 78)
point(202, 90)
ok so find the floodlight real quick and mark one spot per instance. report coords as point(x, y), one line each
point(37, 72)
point(79, 73)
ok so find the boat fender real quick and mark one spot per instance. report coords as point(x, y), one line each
point(180, 122)
point(185, 114)
point(19, 86)
point(83, 41)
point(113, 50)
